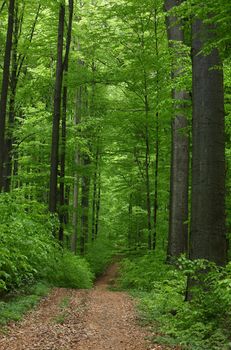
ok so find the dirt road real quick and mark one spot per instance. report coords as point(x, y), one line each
point(97, 319)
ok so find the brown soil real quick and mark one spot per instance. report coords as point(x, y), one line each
point(97, 319)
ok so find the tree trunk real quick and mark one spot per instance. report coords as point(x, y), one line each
point(130, 226)
point(85, 204)
point(94, 200)
point(17, 65)
point(5, 85)
point(157, 148)
point(147, 164)
point(13, 86)
point(56, 114)
point(208, 239)
point(63, 210)
point(98, 202)
point(178, 216)
point(77, 118)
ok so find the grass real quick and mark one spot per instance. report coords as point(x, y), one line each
point(60, 318)
point(13, 307)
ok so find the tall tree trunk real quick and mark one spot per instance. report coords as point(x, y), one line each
point(17, 65)
point(5, 85)
point(178, 228)
point(157, 148)
point(98, 203)
point(147, 176)
point(62, 214)
point(56, 113)
point(13, 85)
point(85, 203)
point(130, 226)
point(208, 239)
point(94, 199)
point(77, 117)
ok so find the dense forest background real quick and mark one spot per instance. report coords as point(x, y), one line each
point(115, 132)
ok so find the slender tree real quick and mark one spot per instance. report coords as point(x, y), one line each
point(85, 188)
point(57, 113)
point(5, 85)
point(17, 64)
point(76, 192)
point(62, 214)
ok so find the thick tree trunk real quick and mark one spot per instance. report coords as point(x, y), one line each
point(56, 114)
point(208, 239)
point(5, 85)
point(178, 228)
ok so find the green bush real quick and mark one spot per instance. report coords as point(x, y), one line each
point(26, 242)
point(201, 324)
point(70, 271)
point(99, 255)
point(28, 250)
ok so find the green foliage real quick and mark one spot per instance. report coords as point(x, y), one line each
point(99, 254)
point(202, 323)
point(29, 251)
point(26, 243)
point(70, 271)
point(143, 273)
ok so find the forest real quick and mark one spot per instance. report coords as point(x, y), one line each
point(115, 148)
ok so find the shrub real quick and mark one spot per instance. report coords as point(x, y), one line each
point(28, 250)
point(99, 255)
point(201, 324)
point(70, 271)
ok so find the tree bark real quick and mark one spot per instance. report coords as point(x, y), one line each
point(56, 114)
point(63, 211)
point(85, 204)
point(157, 141)
point(178, 215)
point(208, 239)
point(94, 199)
point(5, 85)
point(13, 86)
point(98, 202)
point(147, 164)
point(77, 118)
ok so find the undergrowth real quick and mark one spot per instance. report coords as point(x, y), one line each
point(14, 307)
point(201, 324)
point(29, 252)
point(99, 255)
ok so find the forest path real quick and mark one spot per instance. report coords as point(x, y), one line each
point(97, 319)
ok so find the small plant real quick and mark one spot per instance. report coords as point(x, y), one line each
point(60, 319)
